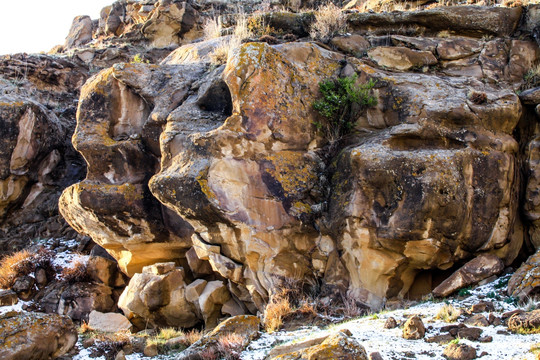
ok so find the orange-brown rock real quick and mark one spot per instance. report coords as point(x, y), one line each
point(35, 336)
point(220, 169)
point(471, 273)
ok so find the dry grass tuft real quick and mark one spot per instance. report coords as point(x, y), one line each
point(208, 354)
point(22, 263)
point(109, 345)
point(77, 272)
point(448, 313)
point(230, 346)
point(241, 32)
point(277, 309)
point(192, 337)
point(212, 29)
point(13, 266)
point(329, 21)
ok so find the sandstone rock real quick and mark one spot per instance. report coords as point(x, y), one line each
point(469, 333)
point(458, 48)
point(218, 138)
point(355, 45)
point(477, 320)
point(102, 270)
point(194, 290)
point(340, 345)
point(414, 328)
point(37, 161)
point(461, 20)
point(35, 336)
point(128, 241)
point(482, 306)
point(525, 322)
point(198, 267)
point(295, 347)
point(375, 356)
point(440, 339)
point(401, 58)
point(526, 279)
point(78, 300)
point(390, 323)
point(108, 322)
point(151, 350)
point(160, 268)
point(244, 326)
point(24, 287)
point(459, 352)
point(8, 298)
point(214, 295)
point(531, 96)
point(471, 273)
point(80, 32)
point(158, 300)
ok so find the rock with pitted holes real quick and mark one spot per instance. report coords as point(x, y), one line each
point(414, 328)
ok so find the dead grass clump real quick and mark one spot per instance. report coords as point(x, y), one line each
point(277, 309)
point(77, 272)
point(477, 97)
point(241, 32)
point(448, 313)
point(22, 263)
point(109, 345)
point(212, 29)
point(208, 354)
point(329, 21)
point(230, 346)
point(192, 337)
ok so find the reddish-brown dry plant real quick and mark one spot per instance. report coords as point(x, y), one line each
point(77, 272)
point(277, 309)
point(230, 346)
point(192, 337)
point(15, 265)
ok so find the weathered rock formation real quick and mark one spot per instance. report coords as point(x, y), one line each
point(35, 336)
point(221, 170)
point(38, 97)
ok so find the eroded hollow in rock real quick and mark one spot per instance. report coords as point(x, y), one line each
point(217, 98)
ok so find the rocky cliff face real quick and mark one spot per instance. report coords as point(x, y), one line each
point(220, 169)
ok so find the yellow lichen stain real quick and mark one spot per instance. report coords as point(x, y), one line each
point(203, 183)
point(12, 104)
point(127, 190)
point(302, 207)
point(291, 171)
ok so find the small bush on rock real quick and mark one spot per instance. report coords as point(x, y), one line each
point(341, 103)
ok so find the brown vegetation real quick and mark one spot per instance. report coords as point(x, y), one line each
point(22, 263)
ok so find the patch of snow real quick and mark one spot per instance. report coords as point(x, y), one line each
point(370, 332)
point(17, 307)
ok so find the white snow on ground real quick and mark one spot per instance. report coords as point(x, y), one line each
point(17, 307)
point(370, 332)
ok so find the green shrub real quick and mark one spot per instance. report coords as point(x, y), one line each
point(341, 103)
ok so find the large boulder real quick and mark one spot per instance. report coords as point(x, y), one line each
point(35, 336)
point(222, 170)
point(157, 298)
